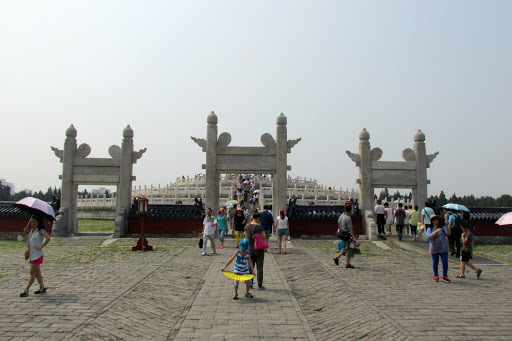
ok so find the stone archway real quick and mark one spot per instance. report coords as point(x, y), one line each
point(78, 169)
point(411, 173)
point(269, 159)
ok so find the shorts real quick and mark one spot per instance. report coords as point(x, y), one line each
point(282, 232)
point(37, 261)
point(465, 257)
point(247, 283)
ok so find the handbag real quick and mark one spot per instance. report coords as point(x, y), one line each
point(343, 235)
point(259, 242)
point(27, 253)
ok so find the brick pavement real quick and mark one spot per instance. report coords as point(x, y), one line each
point(111, 293)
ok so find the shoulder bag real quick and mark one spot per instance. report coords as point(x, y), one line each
point(259, 242)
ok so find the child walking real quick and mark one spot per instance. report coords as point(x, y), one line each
point(467, 252)
point(242, 264)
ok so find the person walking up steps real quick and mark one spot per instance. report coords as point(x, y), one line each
point(257, 256)
point(239, 221)
point(267, 220)
point(283, 230)
point(242, 265)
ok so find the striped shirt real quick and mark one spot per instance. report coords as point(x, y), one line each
point(242, 263)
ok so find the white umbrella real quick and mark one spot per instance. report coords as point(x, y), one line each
point(36, 206)
point(505, 219)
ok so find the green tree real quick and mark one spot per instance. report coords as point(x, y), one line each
point(442, 199)
point(5, 192)
point(504, 200)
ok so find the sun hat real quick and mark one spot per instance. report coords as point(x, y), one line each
point(282, 211)
point(244, 244)
point(436, 217)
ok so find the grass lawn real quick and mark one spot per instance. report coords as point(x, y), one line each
point(92, 225)
point(499, 252)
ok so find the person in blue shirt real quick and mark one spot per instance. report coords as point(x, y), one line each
point(456, 232)
point(267, 221)
point(242, 265)
point(438, 246)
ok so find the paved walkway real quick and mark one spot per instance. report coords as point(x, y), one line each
point(173, 293)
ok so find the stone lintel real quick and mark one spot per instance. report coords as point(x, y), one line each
point(394, 178)
point(252, 168)
point(243, 151)
point(96, 162)
point(85, 170)
point(394, 165)
point(96, 179)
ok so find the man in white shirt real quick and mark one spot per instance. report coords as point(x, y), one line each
point(381, 217)
point(209, 227)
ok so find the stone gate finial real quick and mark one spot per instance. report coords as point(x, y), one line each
point(71, 131)
point(281, 119)
point(212, 118)
point(419, 136)
point(364, 135)
point(128, 132)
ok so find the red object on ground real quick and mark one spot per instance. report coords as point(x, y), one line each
point(142, 243)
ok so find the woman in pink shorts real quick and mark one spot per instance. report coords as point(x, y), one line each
point(36, 241)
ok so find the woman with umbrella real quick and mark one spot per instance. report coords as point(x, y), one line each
point(37, 239)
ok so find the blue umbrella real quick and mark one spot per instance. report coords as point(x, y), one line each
point(456, 207)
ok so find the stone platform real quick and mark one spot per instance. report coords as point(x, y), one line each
point(104, 291)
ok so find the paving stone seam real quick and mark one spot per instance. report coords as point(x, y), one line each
point(127, 292)
point(296, 305)
point(174, 330)
point(350, 287)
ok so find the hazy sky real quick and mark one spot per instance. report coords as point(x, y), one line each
point(332, 67)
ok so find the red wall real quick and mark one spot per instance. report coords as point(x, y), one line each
point(488, 228)
point(18, 224)
point(157, 226)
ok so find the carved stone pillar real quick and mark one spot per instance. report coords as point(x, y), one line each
point(212, 178)
point(280, 181)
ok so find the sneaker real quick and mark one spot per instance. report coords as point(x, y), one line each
point(436, 279)
point(478, 273)
point(336, 261)
point(235, 296)
point(220, 245)
point(446, 279)
point(249, 295)
point(204, 253)
point(285, 252)
point(350, 266)
point(262, 288)
point(40, 291)
point(24, 293)
point(278, 251)
point(460, 276)
point(214, 252)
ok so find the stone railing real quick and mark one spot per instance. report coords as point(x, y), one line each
point(85, 202)
point(185, 190)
